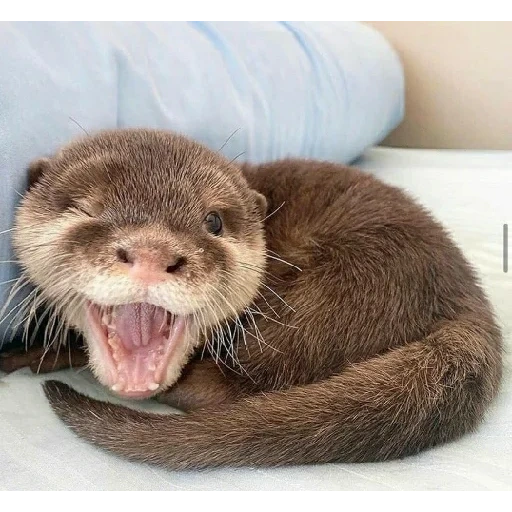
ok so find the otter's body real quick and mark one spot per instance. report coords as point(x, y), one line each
point(338, 322)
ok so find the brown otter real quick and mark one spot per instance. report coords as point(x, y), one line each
point(336, 319)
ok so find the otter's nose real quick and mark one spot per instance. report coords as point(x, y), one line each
point(150, 265)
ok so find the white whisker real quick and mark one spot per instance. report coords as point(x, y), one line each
point(4, 316)
point(269, 318)
point(278, 296)
point(285, 262)
point(42, 358)
point(275, 211)
point(9, 281)
point(220, 337)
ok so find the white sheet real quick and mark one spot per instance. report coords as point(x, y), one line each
point(471, 193)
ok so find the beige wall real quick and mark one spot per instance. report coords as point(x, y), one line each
point(458, 83)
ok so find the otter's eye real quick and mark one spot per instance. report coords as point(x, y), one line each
point(213, 223)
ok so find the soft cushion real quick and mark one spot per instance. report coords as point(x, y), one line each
point(325, 90)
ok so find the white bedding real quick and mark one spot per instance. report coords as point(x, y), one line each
point(470, 192)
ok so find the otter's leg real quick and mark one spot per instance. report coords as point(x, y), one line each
point(202, 385)
point(43, 360)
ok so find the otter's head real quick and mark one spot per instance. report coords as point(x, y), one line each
point(143, 241)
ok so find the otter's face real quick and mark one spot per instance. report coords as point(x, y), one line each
point(143, 241)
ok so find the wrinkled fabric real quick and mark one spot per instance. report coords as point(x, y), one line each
point(313, 89)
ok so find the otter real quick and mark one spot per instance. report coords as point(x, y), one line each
point(298, 311)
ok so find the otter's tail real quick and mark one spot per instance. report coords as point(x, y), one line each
point(413, 397)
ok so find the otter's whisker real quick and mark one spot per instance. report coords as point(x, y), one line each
point(228, 139)
point(246, 332)
point(274, 255)
point(76, 303)
point(246, 346)
point(227, 332)
point(18, 287)
point(268, 304)
point(257, 333)
point(69, 356)
point(238, 326)
point(260, 272)
point(18, 317)
point(4, 316)
point(275, 211)
point(285, 262)
point(230, 353)
point(230, 274)
point(271, 347)
point(41, 359)
point(230, 348)
point(53, 331)
point(269, 318)
point(39, 320)
point(59, 346)
point(20, 283)
point(37, 302)
point(278, 296)
point(218, 334)
point(79, 125)
point(256, 336)
point(219, 337)
point(203, 328)
point(237, 157)
point(9, 281)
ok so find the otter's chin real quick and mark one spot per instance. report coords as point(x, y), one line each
point(136, 343)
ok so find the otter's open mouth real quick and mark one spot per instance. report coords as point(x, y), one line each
point(137, 342)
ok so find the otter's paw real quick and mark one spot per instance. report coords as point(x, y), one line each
point(41, 360)
point(15, 359)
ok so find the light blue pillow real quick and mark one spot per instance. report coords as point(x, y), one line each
point(323, 90)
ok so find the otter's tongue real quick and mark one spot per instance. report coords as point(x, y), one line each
point(140, 325)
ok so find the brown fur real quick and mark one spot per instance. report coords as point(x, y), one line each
point(371, 340)
point(40, 359)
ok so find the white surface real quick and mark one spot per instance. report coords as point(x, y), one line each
point(470, 193)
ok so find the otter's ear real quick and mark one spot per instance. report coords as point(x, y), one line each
point(36, 170)
point(261, 202)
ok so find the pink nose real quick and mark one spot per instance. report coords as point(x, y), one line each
point(149, 265)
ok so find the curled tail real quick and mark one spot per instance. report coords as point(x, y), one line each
point(408, 399)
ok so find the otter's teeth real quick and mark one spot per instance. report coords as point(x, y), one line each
point(119, 385)
point(137, 369)
point(151, 363)
point(153, 386)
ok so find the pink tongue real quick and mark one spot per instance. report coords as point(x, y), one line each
point(138, 324)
